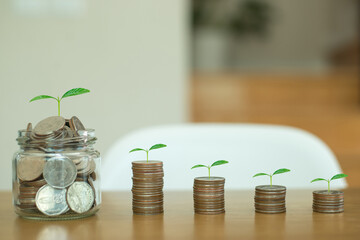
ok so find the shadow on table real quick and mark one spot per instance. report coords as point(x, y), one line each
point(86, 228)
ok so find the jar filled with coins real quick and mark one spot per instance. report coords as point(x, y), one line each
point(56, 172)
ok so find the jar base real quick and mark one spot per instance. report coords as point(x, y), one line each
point(38, 216)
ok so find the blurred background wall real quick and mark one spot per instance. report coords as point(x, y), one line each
point(132, 55)
point(281, 62)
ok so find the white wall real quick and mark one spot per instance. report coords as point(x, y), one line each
point(130, 54)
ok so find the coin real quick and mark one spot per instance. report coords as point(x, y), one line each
point(76, 124)
point(328, 202)
point(147, 187)
point(28, 130)
point(36, 184)
point(30, 167)
point(59, 172)
point(90, 168)
point(80, 197)
point(51, 201)
point(69, 132)
point(93, 176)
point(209, 195)
point(270, 199)
point(49, 125)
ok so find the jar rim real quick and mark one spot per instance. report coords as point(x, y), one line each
point(86, 131)
point(56, 141)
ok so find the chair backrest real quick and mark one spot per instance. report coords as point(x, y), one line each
point(249, 148)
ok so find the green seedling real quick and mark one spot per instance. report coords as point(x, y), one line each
point(281, 170)
point(156, 146)
point(217, 163)
point(70, 93)
point(337, 176)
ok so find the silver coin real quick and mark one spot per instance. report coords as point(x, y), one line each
point(51, 201)
point(49, 125)
point(80, 197)
point(59, 172)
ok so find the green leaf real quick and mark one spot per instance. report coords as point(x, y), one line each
point(42, 97)
point(220, 162)
point(260, 174)
point(199, 165)
point(74, 92)
point(137, 149)
point(318, 179)
point(337, 176)
point(157, 146)
point(281, 170)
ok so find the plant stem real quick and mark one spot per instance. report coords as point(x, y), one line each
point(58, 100)
point(209, 171)
point(271, 180)
point(147, 155)
point(328, 186)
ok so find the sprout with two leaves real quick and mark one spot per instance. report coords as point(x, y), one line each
point(337, 176)
point(70, 93)
point(279, 171)
point(217, 163)
point(156, 146)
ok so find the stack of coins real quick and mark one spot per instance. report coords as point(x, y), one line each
point(270, 199)
point(50, 182)
point(27, 192)
point(147, 187)
point(328, 202)
point(209, 195)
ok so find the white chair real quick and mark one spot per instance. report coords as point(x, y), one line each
point(249, 148)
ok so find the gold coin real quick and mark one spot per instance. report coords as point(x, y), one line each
point(30, 167)
point(49, 125)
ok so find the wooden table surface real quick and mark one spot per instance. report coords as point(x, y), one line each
point(116, 221)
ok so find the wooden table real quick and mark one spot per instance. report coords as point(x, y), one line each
point(116, 221)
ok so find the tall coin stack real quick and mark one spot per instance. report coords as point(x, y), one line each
point(328, 202)
point(270, 199)
point(209, 195)
point(147, 187)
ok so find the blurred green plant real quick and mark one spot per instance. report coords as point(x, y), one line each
point(70, 93)
point(337, 176)
point(217, 163)
point(279, 171)
point(156, 146)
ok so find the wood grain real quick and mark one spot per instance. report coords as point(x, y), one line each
point(116, 221)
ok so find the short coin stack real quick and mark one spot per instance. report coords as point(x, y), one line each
point(209, 195)
point(270, 199)
point(328, 202)
point(147, 187)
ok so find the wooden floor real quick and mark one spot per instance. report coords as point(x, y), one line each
point(327, 105)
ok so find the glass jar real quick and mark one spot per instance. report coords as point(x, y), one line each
point(57, 176)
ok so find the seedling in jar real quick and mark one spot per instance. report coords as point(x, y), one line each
point(217, 163)
point(156, 146)
point(279, 171)
point(70, 93)
point(337, 176)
